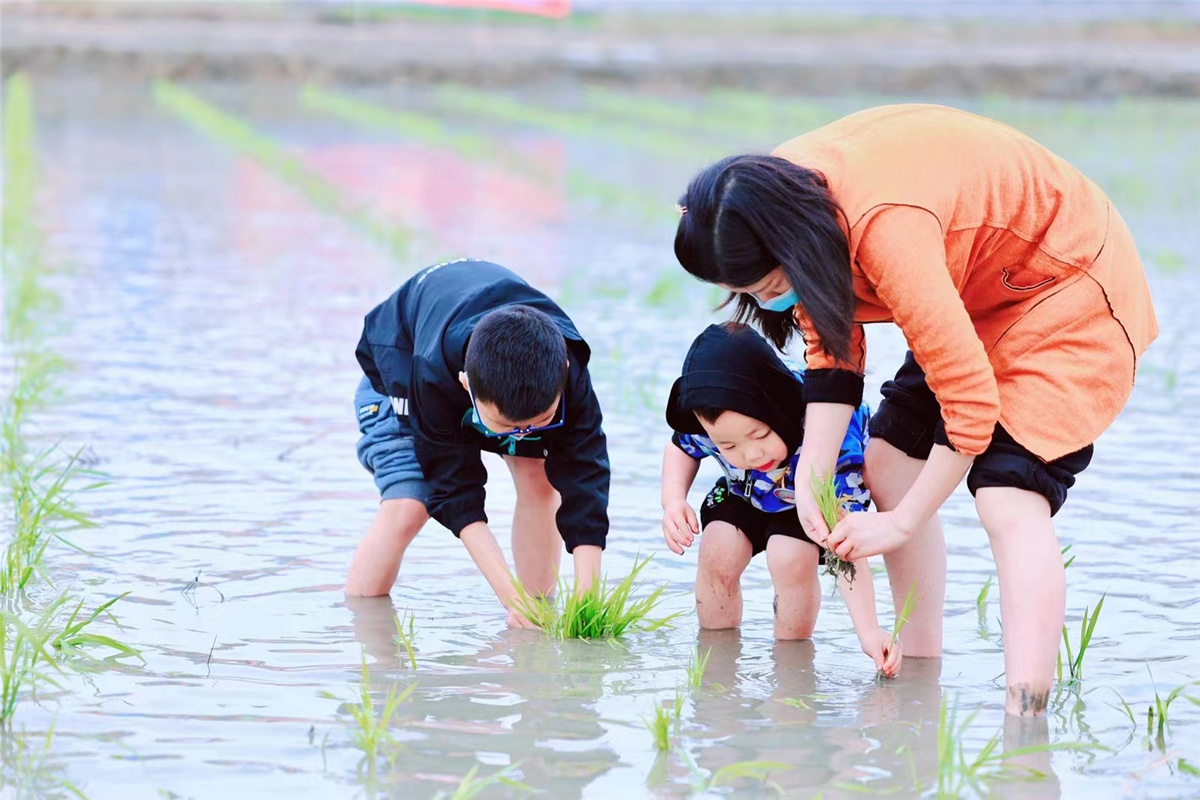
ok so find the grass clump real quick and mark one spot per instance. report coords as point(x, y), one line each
point(1087, 627)
point(598, 612)
point(759, 771)
point(831, 505)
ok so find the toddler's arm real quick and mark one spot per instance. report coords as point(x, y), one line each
point(859, 596)
point(679, 524)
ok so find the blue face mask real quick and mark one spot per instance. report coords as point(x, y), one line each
point(783, 302)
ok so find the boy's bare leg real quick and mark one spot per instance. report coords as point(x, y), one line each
point(377, 560)
point(793, 567)
point(724, 554)
point(1033, 591)
point(889, 473)
point(536, 544)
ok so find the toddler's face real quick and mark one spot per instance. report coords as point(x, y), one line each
point(745, 442)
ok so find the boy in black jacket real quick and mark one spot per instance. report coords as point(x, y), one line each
point(467, 357)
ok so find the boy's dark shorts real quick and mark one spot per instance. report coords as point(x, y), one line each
point(910, 419)
point(722, 505)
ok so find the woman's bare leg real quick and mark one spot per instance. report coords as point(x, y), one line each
point(889, 473)
point(1033, 591)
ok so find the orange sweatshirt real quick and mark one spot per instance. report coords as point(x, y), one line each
point(1016, 284)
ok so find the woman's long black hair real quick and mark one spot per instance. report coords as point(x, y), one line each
point(747, 215)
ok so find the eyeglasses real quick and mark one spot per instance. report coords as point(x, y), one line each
point(518, 433)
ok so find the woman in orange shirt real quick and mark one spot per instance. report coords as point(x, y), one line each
point(1021, 295)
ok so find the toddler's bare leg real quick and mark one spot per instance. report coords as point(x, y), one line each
point(724, 554)
point(793, 566)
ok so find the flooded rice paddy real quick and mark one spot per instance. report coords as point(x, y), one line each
point(214, 249)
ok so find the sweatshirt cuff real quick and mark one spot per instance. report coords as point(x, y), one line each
point(833, 386)
point(457, 516)
point(597, 538)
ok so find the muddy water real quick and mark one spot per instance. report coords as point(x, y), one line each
point(211, 313)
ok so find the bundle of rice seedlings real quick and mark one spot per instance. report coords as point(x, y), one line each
point(825, 493)
point(598, 612)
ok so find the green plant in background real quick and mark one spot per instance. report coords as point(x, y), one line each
point(407, 637)
point(23, 650)
point(1069, 561)
point(1157, 714)
point(665, 717)
point(1087, 627)
point(472, 785)
point(696, 668)
point(599, 612)
point(324, 194)
point(825, 493)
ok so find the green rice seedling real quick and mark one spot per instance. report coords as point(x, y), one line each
point(1157, 715)
point(324, 194)
point(825, 493)
point(74, 637)
point(407, 637)
point(981, 602)
point(703, 781)
point(695, 668)
point(1069, 561)
point(960, 773)
point(660, 724)
point(372, 731)
point(599, 612)
point(910, 604)
point(1075, 659)
point(472, 785)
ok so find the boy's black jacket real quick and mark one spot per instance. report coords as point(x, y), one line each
point(413, 346)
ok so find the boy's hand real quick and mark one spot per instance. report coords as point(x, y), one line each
point(680, 526)
point(518, 620)
point(876, 645)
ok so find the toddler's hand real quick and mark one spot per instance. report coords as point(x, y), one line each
point(876, 645)
point(680, 526)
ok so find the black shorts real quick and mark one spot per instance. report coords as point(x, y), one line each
point(722, 505)
point(910, 419)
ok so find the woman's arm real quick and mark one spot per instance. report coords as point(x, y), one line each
point(863, 535)
point(825, 427)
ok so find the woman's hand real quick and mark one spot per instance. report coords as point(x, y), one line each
point(878, 645)
point(680, 526)
point(518, 620)
point(861, 534)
